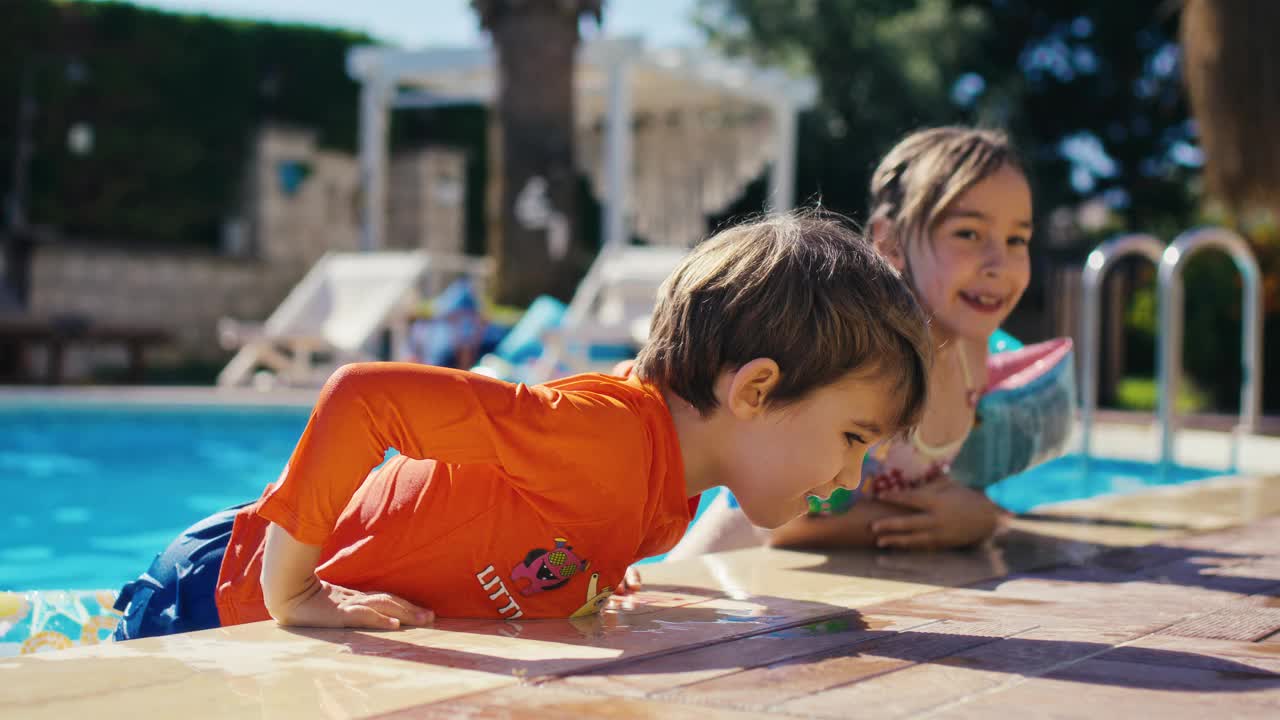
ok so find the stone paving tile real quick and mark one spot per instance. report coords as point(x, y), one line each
point(900, 694)
point(245, 671)
point(1269, 599)
point(1242, 575)
point(846, 580)
point(1190, 579)
point(1188, 584)
point(661, 674)
point(554, 703)
point(1091, 574)
point(1236, 623)
point(1201, 653)
point(1267, 568)
point(1130, 560)
point(1037, 650)
point(1106, 689)
point(1256, 538)
point(1136, 610)
point(1145, 676)
point(932, 684)
point(1104, 638)
point(965, 605)
point(548, 648)
point(763, 687)
point(652, 600)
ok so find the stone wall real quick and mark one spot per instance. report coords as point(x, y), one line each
point(302, 200)
point(185, 294)
point(426, 200)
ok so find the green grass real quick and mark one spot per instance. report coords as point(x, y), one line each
point(1140, 393)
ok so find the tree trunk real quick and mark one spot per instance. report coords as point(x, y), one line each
point(531, 232)
point(1231, 63)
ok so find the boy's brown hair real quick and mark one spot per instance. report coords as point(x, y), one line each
point(926, 171)
point(804, 289)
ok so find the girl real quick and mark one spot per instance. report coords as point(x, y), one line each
point(951, 209)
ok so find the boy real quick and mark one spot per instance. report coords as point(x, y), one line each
point(780, 350)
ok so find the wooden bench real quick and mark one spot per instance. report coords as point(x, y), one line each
point(60, 332)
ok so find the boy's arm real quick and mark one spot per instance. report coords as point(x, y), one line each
point(295, 596)
point(288, 571)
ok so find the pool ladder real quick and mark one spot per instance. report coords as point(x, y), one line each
point(1170, 262)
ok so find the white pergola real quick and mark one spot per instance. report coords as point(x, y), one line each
point(616, 78)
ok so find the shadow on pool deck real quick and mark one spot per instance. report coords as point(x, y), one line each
point(832, 646)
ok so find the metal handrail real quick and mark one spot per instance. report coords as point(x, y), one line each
point(1171, 318)
point(1095, 269)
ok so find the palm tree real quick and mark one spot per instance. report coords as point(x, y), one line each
point(531, 209)
point(1231, 64)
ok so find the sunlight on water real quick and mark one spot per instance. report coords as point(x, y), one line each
point(93, 492)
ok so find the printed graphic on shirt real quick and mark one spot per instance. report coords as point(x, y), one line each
point(547, 569)
point(595, 600)
point(502, 600)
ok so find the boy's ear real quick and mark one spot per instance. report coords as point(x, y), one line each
point(886, 242)
point(750, 385)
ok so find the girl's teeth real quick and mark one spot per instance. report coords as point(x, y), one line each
point(985, 300)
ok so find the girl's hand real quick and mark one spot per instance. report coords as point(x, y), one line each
point(948, 515)
point(333, 606)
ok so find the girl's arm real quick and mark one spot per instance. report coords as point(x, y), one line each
point(851, 529)
point(946, 515)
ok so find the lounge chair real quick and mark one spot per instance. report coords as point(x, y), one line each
point(335, 315)
point(608, 318)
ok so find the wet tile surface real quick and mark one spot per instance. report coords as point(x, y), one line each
point(1105, 689)
point(671, 672)
point(1166, 605)
point(778, 684)
point(518, 703)
point(1243, 623)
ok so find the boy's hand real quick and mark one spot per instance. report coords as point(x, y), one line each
point(329, 605)
point(949, 515)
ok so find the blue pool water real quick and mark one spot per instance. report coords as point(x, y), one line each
point(1073, 477)
point(92, 492)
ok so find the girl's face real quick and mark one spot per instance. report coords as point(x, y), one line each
point(974, 266)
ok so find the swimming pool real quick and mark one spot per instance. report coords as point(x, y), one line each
point(94, 491)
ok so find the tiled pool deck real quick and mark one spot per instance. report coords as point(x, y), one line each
point(1160, 604)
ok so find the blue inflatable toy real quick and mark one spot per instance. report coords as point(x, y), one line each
point(1024, 417)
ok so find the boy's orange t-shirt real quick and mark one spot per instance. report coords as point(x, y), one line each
point(506, 501)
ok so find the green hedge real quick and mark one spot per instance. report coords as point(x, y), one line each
point(173, 102)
